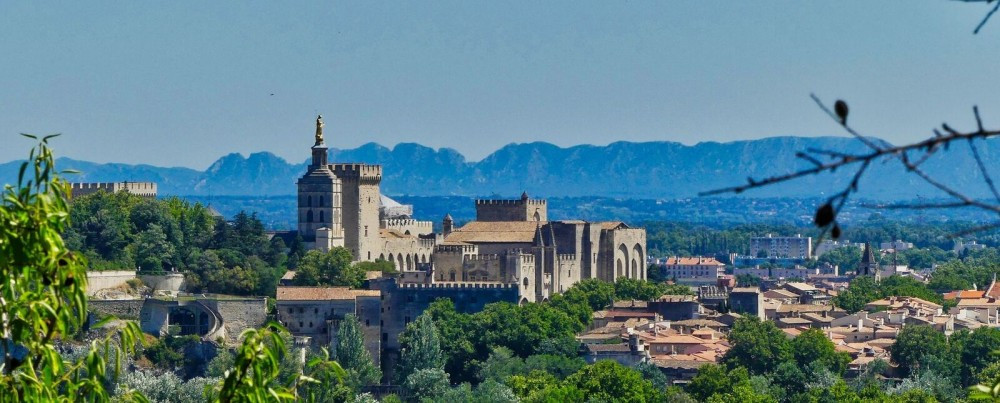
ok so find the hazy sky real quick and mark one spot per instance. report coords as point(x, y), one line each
point(182, 83)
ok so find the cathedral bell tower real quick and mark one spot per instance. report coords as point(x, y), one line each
point(319, 200)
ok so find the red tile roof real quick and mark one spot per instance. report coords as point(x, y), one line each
point(322, 293)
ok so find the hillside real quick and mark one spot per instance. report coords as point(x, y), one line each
point(666, 170)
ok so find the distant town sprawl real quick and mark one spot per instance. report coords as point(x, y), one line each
point(679, 303)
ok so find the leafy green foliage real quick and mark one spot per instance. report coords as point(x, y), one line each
point(426, 383)
point(847, 258)
point(168, 353)
point(420, 347)
point(759, 346)
point(353, 356)
point(609, 381)
point(44, 295)
point(379, 265)
point(331, 268)
point(627, 288)
point(126, 231)
point(259, 372)
point(812, 347)
point(598, 294)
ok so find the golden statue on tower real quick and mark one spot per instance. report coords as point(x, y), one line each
point(319, 129)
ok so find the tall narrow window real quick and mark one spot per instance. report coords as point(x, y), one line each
point(309, 216)
point(309, 201)
point(321, 216)
point(321, 201)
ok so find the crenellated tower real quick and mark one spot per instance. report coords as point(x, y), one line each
point(360, 190)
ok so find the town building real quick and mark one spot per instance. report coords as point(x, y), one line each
point(693, 270)
point(314, 314)
point(771, 246)
point(897, 245)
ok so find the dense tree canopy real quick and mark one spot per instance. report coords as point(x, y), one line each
point(759, 346)
point(126, 231)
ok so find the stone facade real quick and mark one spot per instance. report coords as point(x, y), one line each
point(101, 280)
point(316, 313)
point(511, 242)
point(512, 253)
point(144, 189)
point(211, 318)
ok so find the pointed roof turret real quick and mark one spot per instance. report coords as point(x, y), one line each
point(447, 217)
point(524, 195)
point(868, 257)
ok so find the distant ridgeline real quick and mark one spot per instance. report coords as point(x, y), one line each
point(278, 212)
point(654, 170)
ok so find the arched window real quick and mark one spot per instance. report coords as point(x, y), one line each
point(451, 276)
point(321, 216)
point(309, 201)
point(309, 216)
point(321, 201)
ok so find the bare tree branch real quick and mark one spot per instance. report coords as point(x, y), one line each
point(827, 213)
point(988, 14)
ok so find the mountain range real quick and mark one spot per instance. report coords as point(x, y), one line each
point(649, 170)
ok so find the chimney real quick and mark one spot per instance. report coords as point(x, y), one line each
point(861, 324)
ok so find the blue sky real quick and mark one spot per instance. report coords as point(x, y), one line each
point(182, 83)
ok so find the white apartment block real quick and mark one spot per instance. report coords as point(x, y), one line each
point(797, 246)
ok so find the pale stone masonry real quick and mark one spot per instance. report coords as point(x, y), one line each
point(511, 242)
point(144, 189)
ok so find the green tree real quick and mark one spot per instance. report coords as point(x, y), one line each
point(978, 353)
point(989, 375)
point(812, 346)
point(597, 293)
point(914, 344)
point(379, 265)
point(258, 367)
point(501, 364)
point(420, 348)
point(152, 251)
point(426, 383)
point(609, 381)
point(523, 328)
point(759, 346)
point(653, 374)
point(847, 258)
point(527, 385)
point(560, 366)
point(714, 379)
point(494, 392)
point(558, 393)
point(331, 268)
point(322, 380)
point(460, 340)
point(627, 289)
point(353, 356)
point(44, 294)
